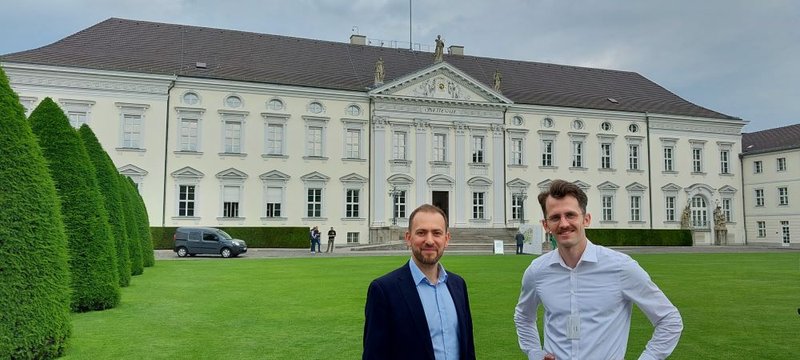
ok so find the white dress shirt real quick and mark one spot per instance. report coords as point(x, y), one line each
point(587, 310)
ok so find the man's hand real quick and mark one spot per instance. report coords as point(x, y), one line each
point(549, 356)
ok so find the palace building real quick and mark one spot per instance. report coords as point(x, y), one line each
point(229, 128)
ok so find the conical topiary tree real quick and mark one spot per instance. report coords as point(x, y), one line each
point(148, 257)
point(108, 181)
point(131, 225)
point(95, 279)
point(34, 275)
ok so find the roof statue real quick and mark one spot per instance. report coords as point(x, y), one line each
point(438, 54)
point(379, 71)
point(497, 79)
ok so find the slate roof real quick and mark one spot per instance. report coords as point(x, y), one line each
point(782, 138)
point(170, 49)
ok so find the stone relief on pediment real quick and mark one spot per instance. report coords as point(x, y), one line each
point(440, 88)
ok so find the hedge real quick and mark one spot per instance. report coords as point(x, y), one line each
point(34, 273)
point(132, 225)
point(640, 237)
point(256, 237)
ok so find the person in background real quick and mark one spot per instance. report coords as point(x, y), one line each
point(520, 239)
point(331, 238)
point(315, 242)
point(420, 311)
point(587, 291)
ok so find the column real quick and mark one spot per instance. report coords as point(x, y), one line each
point(498, 165)
point(379, 195)
point(460, 173)
point(421, 160)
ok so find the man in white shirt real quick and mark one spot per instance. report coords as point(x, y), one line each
point(587, 292)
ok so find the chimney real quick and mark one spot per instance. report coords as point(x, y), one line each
point(358, 39)
point(455, 50)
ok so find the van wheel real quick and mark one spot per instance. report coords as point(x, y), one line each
point(225, 252)
point(182, 252)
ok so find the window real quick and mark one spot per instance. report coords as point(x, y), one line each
point(399, 206)
point(633, 156)
point(314, 203)
point(636, 208)
point(189, 134)
point(230, 201)
point(77, 118)
point(186, 200)
point(759, 197)
point(547, 152)
point(758, 167)
point(478, 148)
point(697, 160)
point(352, 144)
point(577, 124)
point(314, 147)
point(478, 205)
point(547, 122)
point(605, 126)
point(233, 136)
point(633, 128)
point(516, 206)
point(608, 208)
point(352, 238)
point(699, 212)
point(439, 147)
point(762, 228)
point(315, 108)
point(233, 102)
point(517, 120)
point(781, 164)
point(132, 131)
point(783, 196)
point(275, 135)
point(399, 145)
point(727, 209)
point(605, 156)
point(669, 204)
point(274, 202)
point(669, 158)
point(577, 153)
point(724, 162)
point(275, 105)
point(191, 98)
point(351, 203)
point(516, 151)
point(785, 232)
point(353, 110)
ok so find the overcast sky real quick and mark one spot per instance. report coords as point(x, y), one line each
point(737, 57)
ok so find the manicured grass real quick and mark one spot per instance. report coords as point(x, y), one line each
point(313, 308)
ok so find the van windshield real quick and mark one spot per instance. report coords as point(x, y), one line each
point(225, 235)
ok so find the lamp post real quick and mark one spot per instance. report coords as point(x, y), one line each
point(393, 193)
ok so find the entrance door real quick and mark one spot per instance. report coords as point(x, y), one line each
point(441, 199)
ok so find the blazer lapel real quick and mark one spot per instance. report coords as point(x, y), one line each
point(405, 282)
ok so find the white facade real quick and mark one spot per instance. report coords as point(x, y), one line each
point(771, 186)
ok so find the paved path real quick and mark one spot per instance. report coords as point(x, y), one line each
point(259, 253)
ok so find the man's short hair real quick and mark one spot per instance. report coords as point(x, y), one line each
point(430, 209)
point(560, 189)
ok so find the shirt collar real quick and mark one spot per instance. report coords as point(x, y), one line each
point(589, 255)
point(419, 277)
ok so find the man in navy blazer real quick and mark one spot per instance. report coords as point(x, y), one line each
point(420, 311)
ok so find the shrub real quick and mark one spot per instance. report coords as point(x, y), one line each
point(34, 273)
point(143, 228)
point(95, 278)
point(132, 225)
point(640, 237)
point(108, 182)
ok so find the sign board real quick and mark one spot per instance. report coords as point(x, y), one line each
point(498, 247)
point(533, 238)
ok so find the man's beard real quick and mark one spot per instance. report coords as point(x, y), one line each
point(427, 260)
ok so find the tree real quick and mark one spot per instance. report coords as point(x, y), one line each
point(132, 225)
point(34, 274)
point(148, 257)
point(108, 182)
point(95, 279)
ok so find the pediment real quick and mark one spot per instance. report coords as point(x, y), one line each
point(353, 178)
point(544, 185)
point(670, 187)
point(440, 179)
point(315, 176)
point(584, 186)
point(479, 181)
point(400, 179)
point(187, 172)
point(274, 175)
point(635, 186)
point(727, 189)
point(607, 185)
point(231, 174)
point(518, 183)
point(131, 170)
point(440, 82)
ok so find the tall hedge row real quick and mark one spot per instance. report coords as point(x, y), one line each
point(108, 181)
point(93, 265)
point(34, 273)
point(131, 225)
point(143, 227)
point(640, 237)
point(256, 237)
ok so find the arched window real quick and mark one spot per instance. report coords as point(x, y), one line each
point(699, 212)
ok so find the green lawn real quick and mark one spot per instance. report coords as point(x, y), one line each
point(313, 308)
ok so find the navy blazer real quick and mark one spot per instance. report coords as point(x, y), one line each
point(395, 326)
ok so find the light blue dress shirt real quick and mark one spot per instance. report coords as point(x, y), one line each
point(440, 311)
point(588, 308)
